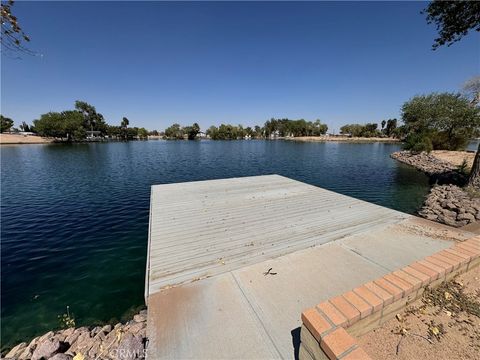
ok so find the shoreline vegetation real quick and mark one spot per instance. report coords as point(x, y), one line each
point(340, 138)
point(22, 139)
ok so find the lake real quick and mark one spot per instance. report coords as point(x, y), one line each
point(75, 217)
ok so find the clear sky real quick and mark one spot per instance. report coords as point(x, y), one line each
point(162, 62)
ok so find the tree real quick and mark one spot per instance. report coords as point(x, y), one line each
point(92, 119)
point(453, 19)
point(113, 131)
point(391, 125)
point(125, 122)
point(12, 35)
point(258, 131)
point(25, 127)
point(174, 132)
point(142, 133)
point(447, 119)
point(65, 125)
point(471, 90)
point(5, 123)
point(124, 128)
point(383, 124)
point(359, 130)
point(192, 131)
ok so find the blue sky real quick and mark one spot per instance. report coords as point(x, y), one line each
point(162, 62)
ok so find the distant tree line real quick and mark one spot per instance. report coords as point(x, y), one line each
point(295, 128)
point(271, 128)
point(232, 132)
point(178, 132)
point(77, 125)
point(388, 129)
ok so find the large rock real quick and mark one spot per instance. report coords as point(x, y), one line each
point(131, 347)
point(47, 348)
point(140, 318)
point(61, 357)
point(16, 351)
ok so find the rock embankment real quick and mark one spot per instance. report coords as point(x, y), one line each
point(122, 341)
point(424, 162)
point(450, 205)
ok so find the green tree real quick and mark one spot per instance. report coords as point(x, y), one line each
point(258, 132)
point(212, 132)
point(142, 134)
point(5, 123)
point(192, 131)
point(453, 19)
point(174, 132)
point(25, 127)
point(93, 121)
point(65, 125)
point(447, 119)
point(471, 90)
point(124, 128)
point(113, 131)
point(390, 127)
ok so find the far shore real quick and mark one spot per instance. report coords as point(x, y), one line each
point(12, 139)
point(344, 139)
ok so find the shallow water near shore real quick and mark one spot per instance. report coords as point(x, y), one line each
point(75, 217)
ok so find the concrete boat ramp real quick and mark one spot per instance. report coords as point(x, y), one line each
point(232, 263)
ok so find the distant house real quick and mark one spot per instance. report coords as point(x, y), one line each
point(275, 134)
point(201, 135)
point(93, 134)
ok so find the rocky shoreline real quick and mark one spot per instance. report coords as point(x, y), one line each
point(122, 341)
point(424, 162)
point(448, 204)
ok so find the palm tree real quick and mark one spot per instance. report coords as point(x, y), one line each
point(124, 126)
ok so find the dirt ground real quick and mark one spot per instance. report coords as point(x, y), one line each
point(22, 139)
point(443, 325)
point(454, 157)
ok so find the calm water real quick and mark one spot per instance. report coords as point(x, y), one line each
point(74, 217)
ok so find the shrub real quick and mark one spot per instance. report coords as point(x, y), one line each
point(417, 143)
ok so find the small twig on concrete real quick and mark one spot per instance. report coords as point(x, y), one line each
point(269, 272)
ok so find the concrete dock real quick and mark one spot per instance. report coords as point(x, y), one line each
point(232, 263)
